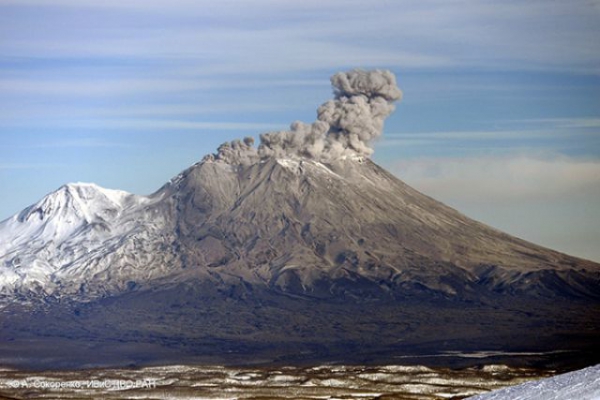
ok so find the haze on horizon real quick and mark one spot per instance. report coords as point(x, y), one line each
point(500, 116)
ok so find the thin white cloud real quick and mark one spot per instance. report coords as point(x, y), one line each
point(498, 179)
point(166, 124)
point(429, 137)
point(265, 35)
point(474, 141)
point(101, 87)
point(567, 123)
point(27, 85)
point(220, 51)
point(549, 129)
point(173, 5)
point(145, 124)
point(18, 112)
point(86, 142)
point(20, 166)
point(548, 200)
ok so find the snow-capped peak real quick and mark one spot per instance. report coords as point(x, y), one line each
point(90, 190)
point(56, 216)
point(75, 201)
point(77, 222)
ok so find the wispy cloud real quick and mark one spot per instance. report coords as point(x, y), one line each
point(497, 179)
point(17, 114)
point(566, 123)
point(557, 134)
point(19, 166)
point(86, 142)
point(266, 35)
point(103, 87)
point(21, 84)
point(547, 199)
point(222, 50)
point(428, 137)
point(166, 124)
point(140, 124)
point(312, 35)
point(472, 141)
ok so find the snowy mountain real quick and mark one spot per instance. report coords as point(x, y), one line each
point(80, 233)
point(580, 385)
point(294, 225)
point(302, 242)
point(306, 212)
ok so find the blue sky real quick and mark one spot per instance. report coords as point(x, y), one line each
point(500, 116)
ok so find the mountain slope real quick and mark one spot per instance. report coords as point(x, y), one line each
point(294, 225)
point(301, 224)
point(77, 235)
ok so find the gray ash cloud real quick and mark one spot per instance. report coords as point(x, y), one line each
point(345, 125)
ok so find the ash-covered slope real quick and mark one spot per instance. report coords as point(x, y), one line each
point(350, 228)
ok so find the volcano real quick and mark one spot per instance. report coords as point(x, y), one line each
point(302, 250)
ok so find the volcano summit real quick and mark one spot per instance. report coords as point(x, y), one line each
point(298, 250)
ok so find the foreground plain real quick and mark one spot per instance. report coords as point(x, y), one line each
point(195, 382)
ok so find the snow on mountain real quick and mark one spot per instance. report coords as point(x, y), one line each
point(578, 385)
point(62, 212)
point(297, 225)
point(305, 212)
point(300, 243)
point(62, 237)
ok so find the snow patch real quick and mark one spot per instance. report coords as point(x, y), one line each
point(581, 385)
point(352, 157)
point(289, 163)
point(59, 237)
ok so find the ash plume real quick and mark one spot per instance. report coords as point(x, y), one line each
point(345, 125)
point(235, 152)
